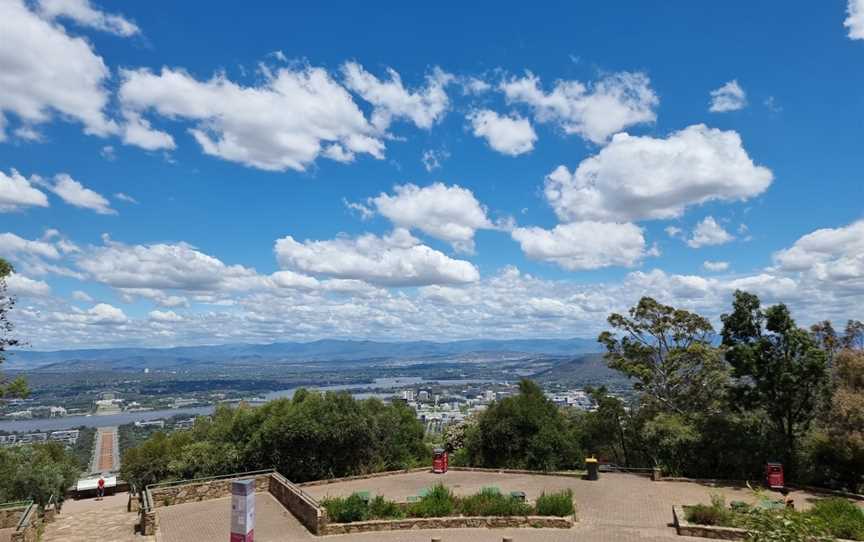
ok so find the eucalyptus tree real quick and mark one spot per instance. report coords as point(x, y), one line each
point(779, 368)
point(17, 387)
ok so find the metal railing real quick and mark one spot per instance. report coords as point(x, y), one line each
point(14, 504)
point(25, 516)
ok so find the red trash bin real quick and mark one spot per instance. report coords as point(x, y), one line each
point(774, 476)
point(439, 461)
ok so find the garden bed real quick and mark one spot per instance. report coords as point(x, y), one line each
point(834, 518)
point(439, 508)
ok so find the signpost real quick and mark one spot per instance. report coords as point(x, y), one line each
point(243, 510)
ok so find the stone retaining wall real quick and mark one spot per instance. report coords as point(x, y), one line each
point(685, 528)
point(200, 491)
point(149, 522)
point(9, 517)
point(305, 508)
point(547, 522)
point(28, 531)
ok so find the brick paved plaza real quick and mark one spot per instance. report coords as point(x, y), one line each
point(619, 507)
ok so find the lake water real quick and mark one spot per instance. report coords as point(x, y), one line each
point(68, 422)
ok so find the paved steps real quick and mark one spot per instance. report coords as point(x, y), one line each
point(89, 520)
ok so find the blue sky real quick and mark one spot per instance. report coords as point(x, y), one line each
point(172, 175)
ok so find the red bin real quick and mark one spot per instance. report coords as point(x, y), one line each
point(774, 476)
point(440, 461)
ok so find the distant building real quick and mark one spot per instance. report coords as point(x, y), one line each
point(69, 437)
point(423, 395)
point(185, 424)
point(408, 395)
point(151, 423)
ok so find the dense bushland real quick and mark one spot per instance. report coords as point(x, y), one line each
point(309, 437)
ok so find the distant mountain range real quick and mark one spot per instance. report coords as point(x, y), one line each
point(292, 352)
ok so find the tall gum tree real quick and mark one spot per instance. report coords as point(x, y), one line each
point(778, 368)
point(9, 389)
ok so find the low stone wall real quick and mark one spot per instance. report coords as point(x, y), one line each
point(28, 529)
point(305, 508)
point(488, 522)
point(204, 490)
point(9, 517)
point(685, 528)
point(149, 522)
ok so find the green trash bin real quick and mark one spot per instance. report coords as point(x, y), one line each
point(593, 468)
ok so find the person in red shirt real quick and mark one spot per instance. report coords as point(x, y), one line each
point(100, 489)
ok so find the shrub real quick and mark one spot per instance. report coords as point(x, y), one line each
point(714, 514)
point(439, 502)
point(842, 518)
point(346, 510)
point(490, 502)
point(784, 526)
point(381, 508)
point(555, 504)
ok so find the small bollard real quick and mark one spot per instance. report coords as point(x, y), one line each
point(436, 540)
point(505, 539)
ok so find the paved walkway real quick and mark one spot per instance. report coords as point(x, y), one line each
point(618, 508)
point(89, 520)
point(105, 454)
point(6, 534)
point(211, 520)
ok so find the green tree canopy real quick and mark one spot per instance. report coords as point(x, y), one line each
point(526, 431)
point(36, 472)
point(669, 355)
point(310, 437)
point(17, 387)
point(779, 367)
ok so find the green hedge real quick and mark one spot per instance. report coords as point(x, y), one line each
point(441, 502)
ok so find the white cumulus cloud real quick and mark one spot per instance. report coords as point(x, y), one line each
point(855, 20)
point(715, 266)
point(833, 256)
point(83, 13)
point(287, 122)
point(24, 286)
point(74, 193)
point(449, 213)
point(511, 135)
point(397, 259)
point(584, 245)
point(16, 192)
point(165, 317)
point(594, 111)
point(640, 178)
point(44, 70)
point(729, 97)
point(391, 100)
point(708, 232)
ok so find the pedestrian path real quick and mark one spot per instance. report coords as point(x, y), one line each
point(89, 520)
point(106, 454)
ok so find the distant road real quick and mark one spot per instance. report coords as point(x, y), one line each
point(106, 457)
